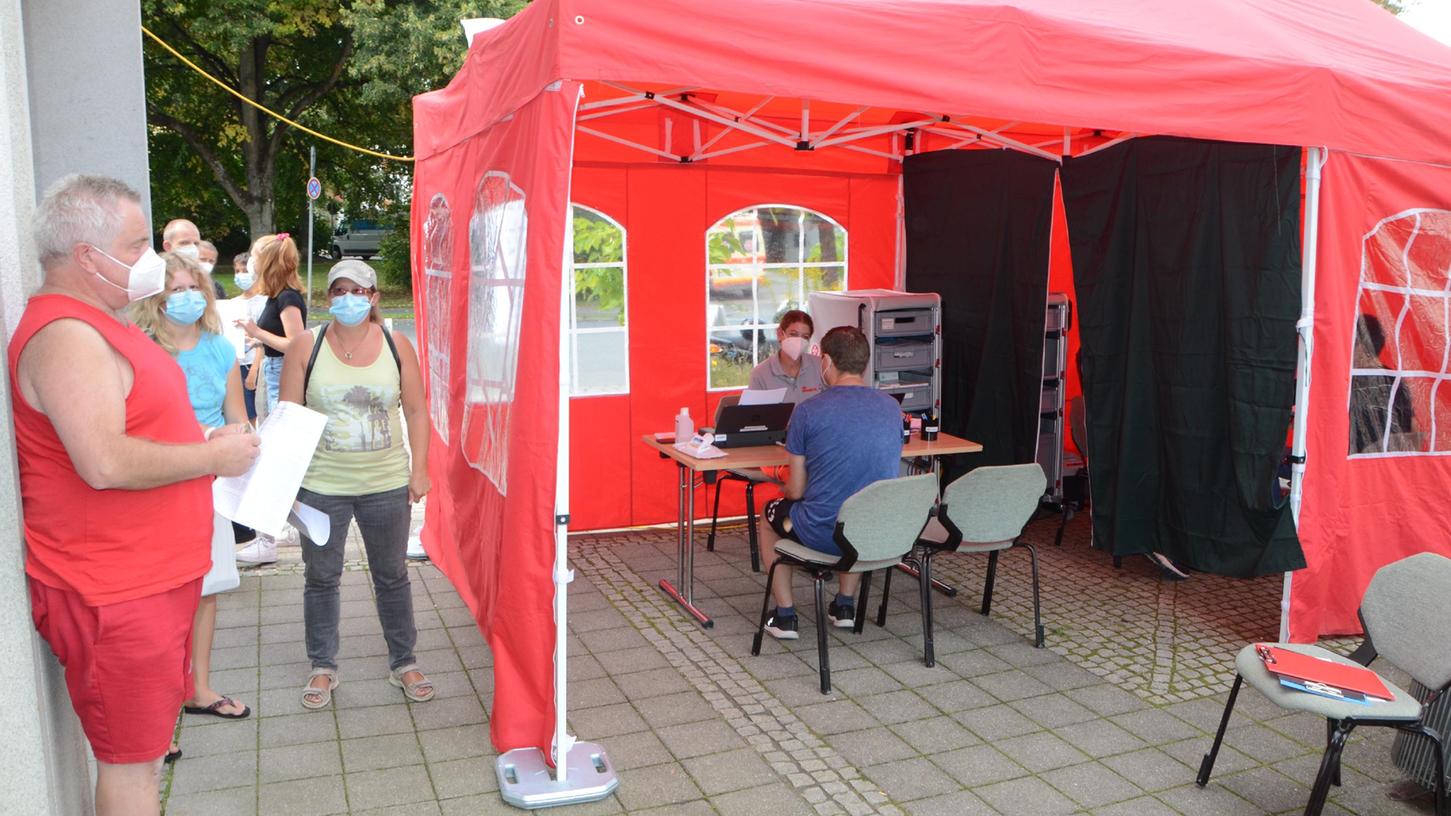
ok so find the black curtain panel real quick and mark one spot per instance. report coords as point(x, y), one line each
point(1186, 262)
point(977, 233)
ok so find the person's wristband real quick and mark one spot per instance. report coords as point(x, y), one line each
point(207, 434)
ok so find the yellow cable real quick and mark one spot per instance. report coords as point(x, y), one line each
point(234, 92)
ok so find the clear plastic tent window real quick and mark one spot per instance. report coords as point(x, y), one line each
point(438, 274)
point(497, 232)
point(760, 262)
point(1400, 400)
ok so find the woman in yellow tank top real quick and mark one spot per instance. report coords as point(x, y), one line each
point(360, 377)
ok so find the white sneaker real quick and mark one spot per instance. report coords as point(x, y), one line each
point(290, 536)
point(262, 550)
point(415, 547)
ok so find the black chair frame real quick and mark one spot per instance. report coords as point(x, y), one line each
point(921, 558)
point(819, 573)
point(751, 529)
point(1336, 733)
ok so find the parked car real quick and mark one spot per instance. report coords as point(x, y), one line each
point(359, 237)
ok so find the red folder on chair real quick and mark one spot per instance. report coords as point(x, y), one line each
point(1299, 666)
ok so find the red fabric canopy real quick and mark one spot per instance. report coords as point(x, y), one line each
point(1337, 73)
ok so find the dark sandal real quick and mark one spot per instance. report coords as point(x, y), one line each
point(215, 709)
point(172, 756)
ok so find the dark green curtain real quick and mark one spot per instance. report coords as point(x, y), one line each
point(977, 234)
point(1186, 262)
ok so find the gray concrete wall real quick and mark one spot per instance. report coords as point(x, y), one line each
point(46, 770)
point(71, 100)
point(87, 91)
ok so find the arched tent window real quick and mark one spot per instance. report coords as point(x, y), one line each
point(598, 311)
point(438, 278)
point(1400, 400)
point(760, 262)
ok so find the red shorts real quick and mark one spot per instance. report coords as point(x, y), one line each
point(127, 665)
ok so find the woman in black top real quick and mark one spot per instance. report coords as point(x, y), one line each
point(285, 315)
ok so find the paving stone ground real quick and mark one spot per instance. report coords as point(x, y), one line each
point(1111, 718)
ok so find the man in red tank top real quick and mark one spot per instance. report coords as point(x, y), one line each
point(115, 482)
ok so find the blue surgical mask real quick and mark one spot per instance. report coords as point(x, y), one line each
point(350, 310)
point(186, 307)
point(245, 280)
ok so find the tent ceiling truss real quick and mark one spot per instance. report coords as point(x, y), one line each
point(841, 133)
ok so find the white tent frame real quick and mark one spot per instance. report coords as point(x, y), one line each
point(839, 134)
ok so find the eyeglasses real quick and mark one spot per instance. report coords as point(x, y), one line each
point(338, 291)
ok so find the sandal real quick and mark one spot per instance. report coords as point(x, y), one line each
point(215, 709)
point(420, 691)
point(314, 697)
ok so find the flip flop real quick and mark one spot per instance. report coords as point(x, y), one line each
point(172, 756)
point(412, 690)
point(324, 695)
point(215, 709)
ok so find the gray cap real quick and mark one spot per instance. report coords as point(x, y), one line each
point(354, 270)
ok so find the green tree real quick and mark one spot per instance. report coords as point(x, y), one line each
point(347, 68)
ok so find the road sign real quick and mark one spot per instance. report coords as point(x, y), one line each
point(314, 188)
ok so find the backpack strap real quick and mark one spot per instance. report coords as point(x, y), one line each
point(393, 348)
point(317, 346)
point(312, 359)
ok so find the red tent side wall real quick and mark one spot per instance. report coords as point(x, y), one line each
point(1383, 222)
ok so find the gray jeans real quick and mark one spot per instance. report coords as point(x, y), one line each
point(383, 519)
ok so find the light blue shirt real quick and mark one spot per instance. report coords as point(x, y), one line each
point(207, 366)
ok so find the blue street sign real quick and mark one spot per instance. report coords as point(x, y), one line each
point(314, 188)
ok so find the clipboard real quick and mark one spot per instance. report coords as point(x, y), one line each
point(1303, 667)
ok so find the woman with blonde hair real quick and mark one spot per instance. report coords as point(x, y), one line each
point(183, 320)
point(284, 316)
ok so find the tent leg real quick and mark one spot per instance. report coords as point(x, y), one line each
point(1315, 159)
point(581, 771)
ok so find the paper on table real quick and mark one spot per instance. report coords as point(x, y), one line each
point(762, 396)
point(231, 310)
point(262, 497)
point(312, 522)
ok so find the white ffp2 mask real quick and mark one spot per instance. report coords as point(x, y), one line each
point(144, 278)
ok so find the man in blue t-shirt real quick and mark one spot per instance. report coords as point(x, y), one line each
point(840, 441)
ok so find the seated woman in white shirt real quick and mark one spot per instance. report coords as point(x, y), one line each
point(791, 367)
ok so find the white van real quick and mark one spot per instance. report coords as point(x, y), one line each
point(357, 237)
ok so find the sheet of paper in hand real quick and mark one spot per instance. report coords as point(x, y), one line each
point(262, 497)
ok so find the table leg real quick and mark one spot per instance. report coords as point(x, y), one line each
point(935, 467)
point(683, 590)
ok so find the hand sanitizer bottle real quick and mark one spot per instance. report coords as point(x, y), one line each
point(684, 426)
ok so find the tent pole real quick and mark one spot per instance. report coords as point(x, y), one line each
point(582, 772)
point(1315, 159)
point(563, 575)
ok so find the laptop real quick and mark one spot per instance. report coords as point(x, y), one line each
point(741, 426)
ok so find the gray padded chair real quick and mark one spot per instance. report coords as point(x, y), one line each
point(875, 528)
point(751, 477)
point(981, 512)
point(1405, 613)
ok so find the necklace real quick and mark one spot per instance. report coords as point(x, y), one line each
point(348, 354)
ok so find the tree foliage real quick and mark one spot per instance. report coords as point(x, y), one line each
point(347, 68)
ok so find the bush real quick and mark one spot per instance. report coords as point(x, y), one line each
point(395, 254)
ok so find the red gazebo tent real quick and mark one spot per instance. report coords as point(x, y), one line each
point(668, 116)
